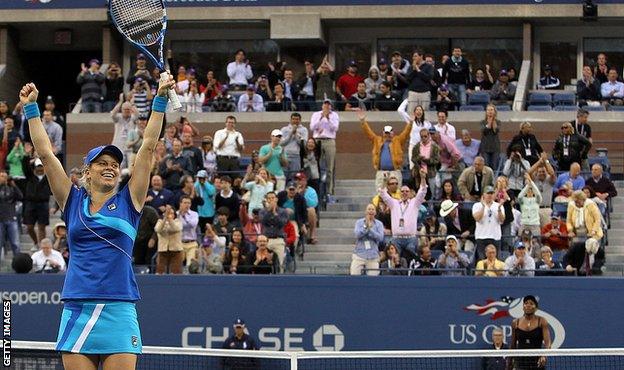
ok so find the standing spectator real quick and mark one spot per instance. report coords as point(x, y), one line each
point(306, 87)
point(4, 147)
point(347, 84)
point(583, 218)
point(481, 82)
point(239, 71)
point(531, 150)
point(385, 100)
point(114, 86)
point(394, 191)
point(189, 219)
point(10, 194)
point(530, 198)
point(425, 264)
point(456, 72)
point(445, 128)
point(588, 88)
point(324, 126)
point(361, 100)
point(520, 263)
point(54, 131)
point(489, 216)
point(581, 127)
point(295, 204)
point(490, 141)
point(474, 179)
point(209, 157)
point(555, 233)
point(311, 199)
point(170, 250)
point(36, 200)
point(324, 80)
point(46, 259)
point(187, 189)
point(548, 82)
point(544, 174)
point(369, 233)
point(191, 152)
point(293, 136)
point(452, 259)
point(273, 158)
point(291, 90)
point(159, 197)
point(135, 139)
point(404, 215)
point(141, 95)
point(387, 150)
point(91, 81)
point(418, 122)
point(468, 147)
point(124, 114)
point(193, 99)
point(229, 145)
point(505, 196)
point(146, 238)
point(426, 156)
point(570, 147)
point(490, 266)
point(503, 92)
point(257, 187)
point(207, 192)
point(174, 166)
point(449, 159)
point(419, 82)
point(612, 91)
point(310, 159)
point(602, 186)
point(274, 219)
point(250, 101)
point(601, 70)
point(229, 199)
point(515, 169)
point(252, 227)
point(546, 264)
point(400, 69)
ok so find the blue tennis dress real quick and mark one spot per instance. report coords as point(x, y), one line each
point(99, 315)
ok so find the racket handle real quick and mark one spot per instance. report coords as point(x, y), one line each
point(173, 97)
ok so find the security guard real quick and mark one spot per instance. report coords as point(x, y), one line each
point(240, 340)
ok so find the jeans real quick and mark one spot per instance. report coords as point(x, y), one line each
point(460, 91)
point(409, 244)
point(8, 229)
point(91, 107)
point(491, 160)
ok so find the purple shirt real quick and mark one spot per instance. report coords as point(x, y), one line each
point(406, 211)
point(189, 225)
point(323, 128)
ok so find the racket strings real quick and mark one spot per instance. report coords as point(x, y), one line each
point(141, 21)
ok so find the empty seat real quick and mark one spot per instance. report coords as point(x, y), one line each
point(503, 108)
point(564, 99)
point(540, 99)
point(539, 108)
point(598, 108)
point(565, 108)
point(471, 108)
point(435, 253)
point(561, 209)
point(503, 255)
point(479, 98)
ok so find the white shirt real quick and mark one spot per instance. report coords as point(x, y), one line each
point(257, 103)
point(447, 130)
point(40, 260)
point(239, 73)
point(229, 148)
point(489, 225)
point(193, 102)
point(415, 133)
point(122, 127)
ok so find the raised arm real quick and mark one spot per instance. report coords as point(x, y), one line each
point(402, 110)
point(139, 182)
point(59, 182)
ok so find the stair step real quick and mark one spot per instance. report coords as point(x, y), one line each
point(615, 258)
point(338, 207)
point(339, 248)
point(328, 256)
point(353, 190)
point(341, 183)
point(348, 214)
point(343, 222)
point(335, 240)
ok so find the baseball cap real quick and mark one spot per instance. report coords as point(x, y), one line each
point(250, 87)
point(503, 72)
point(291, 184)
point(432, 130)
point(382, 61)
point(276, 132)
point(387, 129)
point(139, 80)
point(103, 149)
point(352, 63)
point(300, 175)
point(488, 189)
point(49, 99)
point(94, 61)
point(239, 322)
point(453, 237)
point(327, 101)
point(38, 162)
point(555, 215)
point(519, 245)
point(201, 174)
point(443, 87)
point(140, 56)
point(547, 68)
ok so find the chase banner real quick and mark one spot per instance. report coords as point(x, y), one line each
point(341, 313)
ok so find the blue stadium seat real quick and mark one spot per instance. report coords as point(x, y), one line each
point(604, 161)
point(244, 162)
point(435, 253)
point(561, 209)
point(540, 99)
point(503, 108)
point(471, 108)
point(565, 108)
point(539, 108)
point(479, 98)
point(616, 108)
point(564, 99)
point(558, 256)
point(599, 108)
point(503, 255)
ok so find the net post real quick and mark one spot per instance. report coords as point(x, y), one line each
point(293, 361)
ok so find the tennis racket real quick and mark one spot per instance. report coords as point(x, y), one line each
point(144, 23)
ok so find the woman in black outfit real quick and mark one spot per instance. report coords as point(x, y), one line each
point(529, 332)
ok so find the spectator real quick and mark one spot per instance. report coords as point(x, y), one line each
point(13, 134)
point(369, 233)
point(235, 262)
point(361, 100)
point(264, 259)
point(384, 71)
point(489, 216)
point(209, 157)
point(252, 227)
point(530, 198)
point(418, 122)
point(400, 69)
point(481, 82)
point(171, 133)
point(520, 263)
point(224, 102)
point(393, 264)
point(496, 363)
point(324, 126)
point(347, 84)
point(490, 142)
point(273, 218)
point(59, 240)
point(189, 219)
point(544, 175)
point(187, 189)
point(490, 266)
point(445, 99)
point(324, 80)
point(419, 82)
point(295, 204)
point(310, 161)
point(140, 70)
point(91, 81)
point(159, 197)
point(570, 147)
point(250, 101)
point(588, 88)
point(211, 89)
point(239, 71)
point(207, 192)
point(10, 195)
point(46, 259)
point(387, 150)
point(474, 179)
point(445, 128)
point(114, 86)
point(601, 69)
point(170, 250)
point(222, 226)
point(57, 117)
point(258, 188)
point(160, 152)
point(140, 96)
point(425, 264)
point(311, 198)
point(4, 147)
point(432, 233)
point(404, 215)
point(467, 147)
point(193, 99)
point(211, 253)
point(515, 169)
point(54, 131)
point(373, 81)
point(583, 218)
point(612, 91)
point(279, 102)
point(36, 200)
point(229, 199)
point(291, 90)
point(531, 150)
point(229, 145)
point(191, 152)
point(124, 115)
point(145, 240)
point(306, 87)
point(392, 185)
point(240, 341)
point(135, 139)
point(174, 166)
point(545, 266)
point(452, 259)
point(426, 157)
point(555, 233)
point(503, 92)
point(385, 100)
point(548, 82)
point(449, 191)
point(456, 71)
point(273, 157)
point(602, 186)
point(294, 136)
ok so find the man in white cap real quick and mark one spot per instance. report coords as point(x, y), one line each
point(387, 150)
point(452, 259)
point(273, 157)
point(459, 223)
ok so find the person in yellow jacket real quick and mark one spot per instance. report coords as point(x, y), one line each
point(387, 151)
point(583, 221)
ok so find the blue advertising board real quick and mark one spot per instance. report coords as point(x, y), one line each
point(341, 313)
point(71, 4)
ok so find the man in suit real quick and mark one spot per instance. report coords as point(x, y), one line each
point(474, 179)
point(459, 223)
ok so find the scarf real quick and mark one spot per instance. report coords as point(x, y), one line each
point(579, 221)
point(456, 60)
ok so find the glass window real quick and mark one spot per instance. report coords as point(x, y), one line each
point(435, 47)
point(498, 53)
point(561, 57)
point(612, 48)
point(360, 52)
point(215, 55)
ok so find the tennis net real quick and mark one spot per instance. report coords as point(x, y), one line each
point(40, 355)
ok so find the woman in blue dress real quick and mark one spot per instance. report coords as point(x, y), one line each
point(99, 320)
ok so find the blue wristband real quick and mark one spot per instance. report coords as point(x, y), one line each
point(31, 110)
point(160, 104)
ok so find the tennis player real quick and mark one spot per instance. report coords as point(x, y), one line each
point(529, 332)
point(99, 321)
